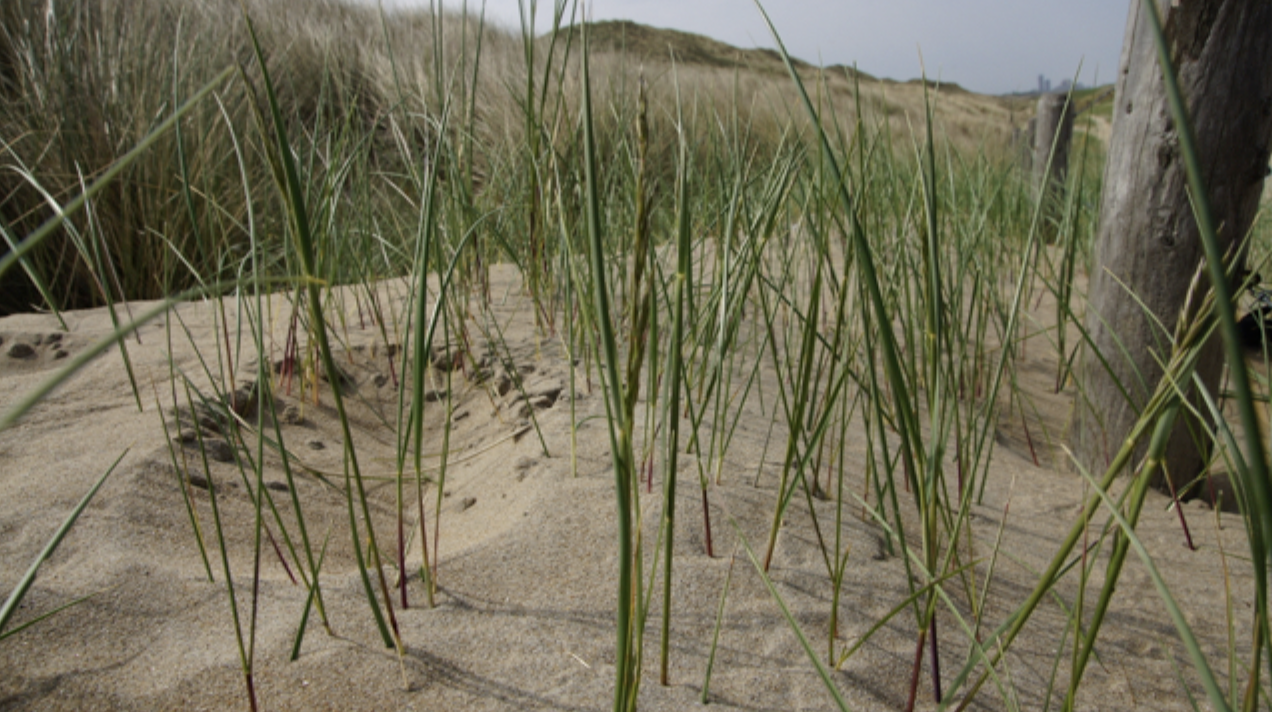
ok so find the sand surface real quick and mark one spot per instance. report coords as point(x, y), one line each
point(524, 614)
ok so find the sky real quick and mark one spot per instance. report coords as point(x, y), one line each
point(987, 46)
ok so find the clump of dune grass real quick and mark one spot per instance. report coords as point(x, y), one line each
point(357, 95)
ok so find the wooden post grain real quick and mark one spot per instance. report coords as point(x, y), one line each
point(1052, 135)
point(1148, 248)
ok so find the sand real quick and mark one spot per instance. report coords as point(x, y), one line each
point(524, 614)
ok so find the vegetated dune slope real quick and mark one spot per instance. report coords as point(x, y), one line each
point(524, 615)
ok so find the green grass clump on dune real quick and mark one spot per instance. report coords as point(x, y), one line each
point(364, 100)
point(679, 222)
point(86, 82)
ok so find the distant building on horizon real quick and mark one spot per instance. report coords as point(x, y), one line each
point(1045, 86)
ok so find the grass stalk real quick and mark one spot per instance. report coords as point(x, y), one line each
point(295, 199)
point(675, 372)
point(627, 668)
point(24, 584)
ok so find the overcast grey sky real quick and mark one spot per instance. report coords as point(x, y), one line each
point(989, 46)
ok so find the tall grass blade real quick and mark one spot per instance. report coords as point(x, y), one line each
point(1213, 691)
point(1256, 474)
point(627, 671)
point(822, 671)
point(294, 196)
point(683, 278)
point(19, 592)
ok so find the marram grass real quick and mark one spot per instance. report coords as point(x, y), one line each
point(679, 229)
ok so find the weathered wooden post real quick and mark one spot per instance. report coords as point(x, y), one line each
point(1022, 143)
point(1148, 247)
point(1053, 131)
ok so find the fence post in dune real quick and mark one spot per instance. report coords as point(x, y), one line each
point(1022, 143)
point(1052, 131)
point(1148, 247)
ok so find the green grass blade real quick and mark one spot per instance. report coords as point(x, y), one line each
point(1213, 691)
point(27, 402)
point(19, 592)
point(822, 671)
point(628, 665)
point(295, 196)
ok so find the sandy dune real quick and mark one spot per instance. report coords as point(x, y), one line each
point(524, 615)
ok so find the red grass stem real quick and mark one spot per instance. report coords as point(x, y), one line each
point(1029, 438)
point(915, 670)
point(706, 523)
point(279, 552)
point(936, 664)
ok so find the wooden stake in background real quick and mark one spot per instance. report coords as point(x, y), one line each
point(1053, 131)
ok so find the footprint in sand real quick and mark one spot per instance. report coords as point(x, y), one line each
point(32, 351)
